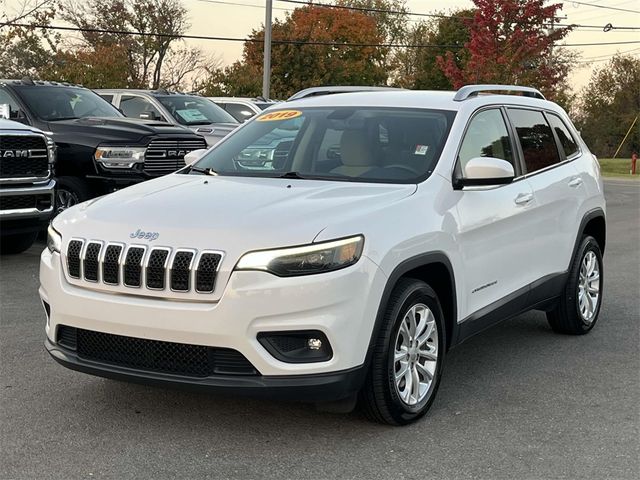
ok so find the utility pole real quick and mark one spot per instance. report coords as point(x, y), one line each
point(266, 66)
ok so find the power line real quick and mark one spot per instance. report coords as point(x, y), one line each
point(432, 15)
point(595, 5)
point(282, 42)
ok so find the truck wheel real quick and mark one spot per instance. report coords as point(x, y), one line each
point(18, 243)
point(408, 356)
point(577, 310)
point(69, 192)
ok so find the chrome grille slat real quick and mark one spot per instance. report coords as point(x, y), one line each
point(90, 263)
point(111, 264)
point(73, 257)
point(181, 270)
point(136, 266)
point(156, 268)
point(132, 266)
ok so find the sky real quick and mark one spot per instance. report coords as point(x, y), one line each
point(237, 18)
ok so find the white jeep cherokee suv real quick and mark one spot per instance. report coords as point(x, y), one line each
point(335, 247)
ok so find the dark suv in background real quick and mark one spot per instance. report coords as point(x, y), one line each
point(193, 111)
point(98, 149)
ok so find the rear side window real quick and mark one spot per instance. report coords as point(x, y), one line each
point(107, 96)
point(486, 136)
point(536, 139)
point(569, 145)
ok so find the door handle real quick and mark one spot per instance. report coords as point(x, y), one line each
point(575, 182)
point(523, 198)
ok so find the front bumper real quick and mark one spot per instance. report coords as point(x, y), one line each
point(303, 388)
point(25, 220)
point(341, 304)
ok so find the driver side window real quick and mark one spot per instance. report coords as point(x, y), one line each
point(486, 136)
point(138, 107)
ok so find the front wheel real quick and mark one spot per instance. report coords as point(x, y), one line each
point(579, 306)
point(408, 356)
point(69, 192)
point(17, 243)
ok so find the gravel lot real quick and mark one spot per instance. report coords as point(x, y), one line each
point(517, 401)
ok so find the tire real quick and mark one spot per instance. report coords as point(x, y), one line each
point(382, 398)
point(572, 315)
point(18, 243)
point(69, 192)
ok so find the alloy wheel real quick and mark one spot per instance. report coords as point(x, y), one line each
point(415, 354)
point(589, 287)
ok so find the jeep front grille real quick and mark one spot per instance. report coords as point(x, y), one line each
point(139, 266)
point(23, 156)
point(167, 156)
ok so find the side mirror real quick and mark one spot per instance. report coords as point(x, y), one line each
point(193, 156)
point(149, 116)
point(483, 171)
point(5, 111)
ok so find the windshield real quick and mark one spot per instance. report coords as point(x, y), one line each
point(188, 110)
point(350, 144)
point(51, 103)
point(263, 105)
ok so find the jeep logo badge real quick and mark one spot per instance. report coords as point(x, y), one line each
point(151, 236)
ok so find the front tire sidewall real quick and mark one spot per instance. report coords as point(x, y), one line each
point(402, 412)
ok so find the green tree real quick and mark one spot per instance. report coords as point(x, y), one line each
point(609, 104)
point(298, 65)
point(418, 68)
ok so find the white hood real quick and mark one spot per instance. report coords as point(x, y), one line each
point(232, 214)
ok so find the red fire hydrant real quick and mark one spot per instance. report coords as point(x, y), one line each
point(634, 159)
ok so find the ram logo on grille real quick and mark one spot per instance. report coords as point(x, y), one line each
point(141, 267)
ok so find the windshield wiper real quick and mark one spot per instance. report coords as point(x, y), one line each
point(294, 175)
point(206, 171)
point(62, 118)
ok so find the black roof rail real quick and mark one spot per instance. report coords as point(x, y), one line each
point(469, 91)
point(318, 91)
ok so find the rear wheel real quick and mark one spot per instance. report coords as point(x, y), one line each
point(18, 243)
point(579, 306)
point(408, 356)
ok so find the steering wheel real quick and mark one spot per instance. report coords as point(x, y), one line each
point(403, 167)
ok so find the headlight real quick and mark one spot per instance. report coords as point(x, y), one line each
point(306, 260)
point(119, 157)
point(51, 150)
point(54, 240)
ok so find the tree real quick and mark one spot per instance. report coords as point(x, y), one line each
point(298, 65)
point(146, 54)
point(418, 68)
point(608, 106)
point(511, 42)
point(26, 49)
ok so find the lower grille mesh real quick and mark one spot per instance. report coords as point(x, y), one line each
point(154, 355)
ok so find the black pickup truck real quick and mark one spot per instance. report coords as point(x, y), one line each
point(98, 149)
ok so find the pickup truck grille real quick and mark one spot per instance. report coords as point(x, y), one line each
point(167, 156)
point(23, 156)
point(142, 267)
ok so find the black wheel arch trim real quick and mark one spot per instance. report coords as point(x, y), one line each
point(418, 261)
point(590, 215)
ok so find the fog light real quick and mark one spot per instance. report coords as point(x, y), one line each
point(306, 346)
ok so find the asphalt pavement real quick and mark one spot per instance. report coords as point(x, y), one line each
point(516, 402)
